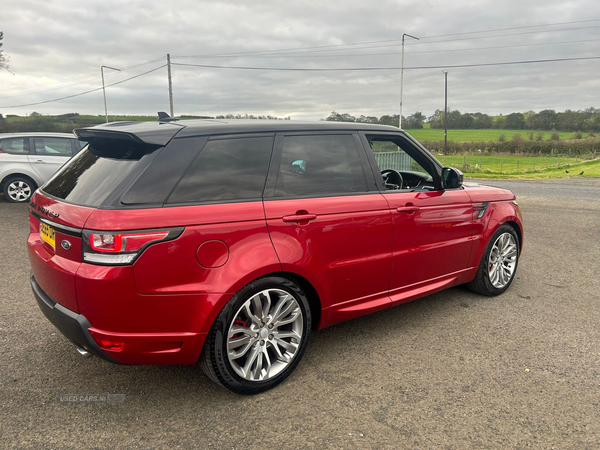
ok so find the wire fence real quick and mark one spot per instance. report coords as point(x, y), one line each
point(393, 160)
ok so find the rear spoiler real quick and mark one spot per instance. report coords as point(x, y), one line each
point(140, 132)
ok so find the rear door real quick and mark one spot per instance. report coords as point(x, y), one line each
point(14, 151)
point(50, 154)
point(327, 221)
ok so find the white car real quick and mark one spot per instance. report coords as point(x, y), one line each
point(28, 160)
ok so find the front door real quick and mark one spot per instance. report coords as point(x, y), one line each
point(432, 227)
point(328, 222)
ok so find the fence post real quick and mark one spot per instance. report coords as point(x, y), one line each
point(444, 160)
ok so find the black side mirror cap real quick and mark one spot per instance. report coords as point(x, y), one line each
point(452, 178)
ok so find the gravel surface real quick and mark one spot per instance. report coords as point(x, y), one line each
point(453, 370)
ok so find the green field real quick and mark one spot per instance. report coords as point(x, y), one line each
point(532, 167)
point(487, 135)
point(424, 134)
point(507, 163)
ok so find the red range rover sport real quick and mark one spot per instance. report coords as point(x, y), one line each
point(225, 243)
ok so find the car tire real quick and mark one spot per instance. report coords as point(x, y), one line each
point(498, 265)
point(272, 318)
point(18, 189)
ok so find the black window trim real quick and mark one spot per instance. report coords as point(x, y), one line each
point(269, 191)
point(201, 140)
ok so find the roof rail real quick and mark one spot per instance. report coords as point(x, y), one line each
point(164, 117)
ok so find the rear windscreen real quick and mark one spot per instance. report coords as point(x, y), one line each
point(99, 170)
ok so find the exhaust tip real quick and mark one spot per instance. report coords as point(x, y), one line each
point(83, 352)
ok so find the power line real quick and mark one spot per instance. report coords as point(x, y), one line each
point(342, 69)
point(82, 79)
point(511, 28)
point(86, 92)
point(507, 34)
point(325, 48)
point(358, 55)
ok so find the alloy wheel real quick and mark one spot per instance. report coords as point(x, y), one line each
point(19, 191)
point(503, 260)
point(264, 335)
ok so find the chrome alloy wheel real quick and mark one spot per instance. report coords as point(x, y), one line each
point(19, 191)
point(503, 260)
point(264, 335)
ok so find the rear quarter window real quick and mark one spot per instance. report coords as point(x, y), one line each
point(15, 146)
point(158, 180)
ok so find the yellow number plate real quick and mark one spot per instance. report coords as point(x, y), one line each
point(47, 234)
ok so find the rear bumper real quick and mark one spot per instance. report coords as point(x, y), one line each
point(138, 348)
point(74, 326)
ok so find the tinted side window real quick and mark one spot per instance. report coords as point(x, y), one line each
point(53, 146)
point(319, 165)
point(226, 169)
point(15, 146)
point(158, 180)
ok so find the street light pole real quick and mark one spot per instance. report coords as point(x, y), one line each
point(104, 89)
point(445, 111)
point(170, 85)
point(402, 77)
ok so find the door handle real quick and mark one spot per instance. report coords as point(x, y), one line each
point(299, 218)
point(407, 209)
point(39, 161)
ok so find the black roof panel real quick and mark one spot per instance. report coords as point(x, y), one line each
point(160, 133)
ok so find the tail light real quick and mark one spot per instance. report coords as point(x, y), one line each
point(121, 248)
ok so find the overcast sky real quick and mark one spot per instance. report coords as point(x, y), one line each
point(56, 49)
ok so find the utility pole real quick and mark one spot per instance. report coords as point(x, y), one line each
point(402, 77)
point(104, 89)
point(170, 85)
point(445, 111)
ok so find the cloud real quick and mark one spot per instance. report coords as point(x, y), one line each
point(57, 48)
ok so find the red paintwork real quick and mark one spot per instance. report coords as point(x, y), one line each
point(432, 241)
point(359, 253)
point(345, 252)
point(212, 254)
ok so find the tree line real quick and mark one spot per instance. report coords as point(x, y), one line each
point(587, 120)
point(66, 123)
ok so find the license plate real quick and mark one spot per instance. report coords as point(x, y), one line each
point(47, 234)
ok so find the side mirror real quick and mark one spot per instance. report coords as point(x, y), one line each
point(452, 178)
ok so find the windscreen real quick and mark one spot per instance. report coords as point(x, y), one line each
point(98, 170)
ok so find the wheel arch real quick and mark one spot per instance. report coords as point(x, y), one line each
point(517, 229)
point(314, 300)
point(17, 175)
